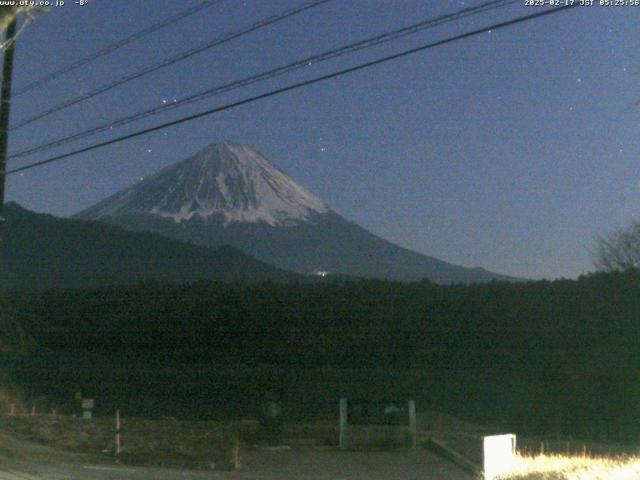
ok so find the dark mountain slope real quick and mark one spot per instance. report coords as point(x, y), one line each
point(43, 251)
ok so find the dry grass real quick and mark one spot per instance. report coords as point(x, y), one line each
point(562, 467)
point(167, 442)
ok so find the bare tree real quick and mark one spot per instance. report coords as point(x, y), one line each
point(620, 250)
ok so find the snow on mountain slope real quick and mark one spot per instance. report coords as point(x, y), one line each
point(226, 181)
point(229, 194)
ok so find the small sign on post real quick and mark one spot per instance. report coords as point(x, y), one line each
point(87, 408)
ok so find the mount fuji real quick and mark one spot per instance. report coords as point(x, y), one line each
point(230, 194)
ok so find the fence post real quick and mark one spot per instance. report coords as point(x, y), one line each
point(343, 423)
point(236, 450)
point(412, 422)
point(117, 433)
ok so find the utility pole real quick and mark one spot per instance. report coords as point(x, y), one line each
point(5, 106)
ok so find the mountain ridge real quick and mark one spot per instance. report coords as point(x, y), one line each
point(43, 252)
point(229, 193)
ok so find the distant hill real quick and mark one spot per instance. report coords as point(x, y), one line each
point(230, 194)
point(43, 252)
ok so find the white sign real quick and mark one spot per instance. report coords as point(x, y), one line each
point(499, 455)
point(87, 403)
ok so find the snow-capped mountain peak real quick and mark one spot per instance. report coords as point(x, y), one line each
point(228, 181)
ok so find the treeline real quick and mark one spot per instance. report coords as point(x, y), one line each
point(550, 357)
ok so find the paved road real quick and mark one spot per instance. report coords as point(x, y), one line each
point(40, 463)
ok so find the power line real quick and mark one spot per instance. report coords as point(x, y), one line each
point(118, 45)
point(171, 61)
point(272, 73)
point(296, 86)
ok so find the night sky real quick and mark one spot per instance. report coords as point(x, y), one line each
point(510, 150)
